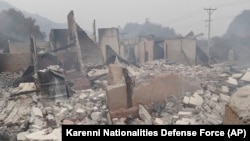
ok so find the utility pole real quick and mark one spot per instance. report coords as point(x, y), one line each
point(210, 12)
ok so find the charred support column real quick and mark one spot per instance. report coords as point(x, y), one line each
point(34, 52)
point(94, 31)
point(129, 86)
point(74, 39)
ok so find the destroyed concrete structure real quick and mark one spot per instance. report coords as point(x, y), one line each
point(91, 53)
point(181, 50)
point(128, 50)
point(109, 38)
point(19, 54)
point(77, 82)
point(52, 85)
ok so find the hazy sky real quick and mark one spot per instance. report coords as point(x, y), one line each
point(182, 15)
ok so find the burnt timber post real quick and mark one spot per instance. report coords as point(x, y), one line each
point(94, 31)
point(73, 37)
point(34, 52)
point(129, 87)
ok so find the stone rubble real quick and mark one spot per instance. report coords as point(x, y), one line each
point(25, 118)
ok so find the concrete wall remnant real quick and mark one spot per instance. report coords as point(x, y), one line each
point(160, 87)
point(58, 38)
point(73, 38)
point(145, 50)
point(19, 47)
point(24, 47)
point(122, 97)
point(181, 50)
point(117, 97)
point(109, 37)
point(115, 74)
point(14, 62)
point(91, 53)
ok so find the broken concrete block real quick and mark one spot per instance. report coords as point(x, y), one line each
point(176, 116)
point(196, 100)
point(144, 115)
point(25, 88)
point(207, 94)
point(220, 109)
point(211, 88)
point(38, 121)
point(246, 77)
point(117, 121)
point(214, 121)
point(59, 116)
point(212, 104)
point(117, 97)
point(189, 120)
point(51, 122)
point(232, 81)
point(181, 122)
point(67, 122)
point(81, 112)
point(58, 133)
point(97, 116)
point(158, 121)
point(36, 112)
point(183, 113)
point(225, 89)
point(224, 98)
point(83, 96)
point(41, 136)
point(3, 116)
point(35, 98)
point(200, 92)
point(102, 95)
point(97, 72)
point(21, 136)
point(236, 75)
point(49, 110)
point(10, 106)
point(215, 98)
point(34, 128)
point(77, 106)
point(64, 111)
point(69, 107)
point(186, 100)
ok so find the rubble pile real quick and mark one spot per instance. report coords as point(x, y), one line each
point(163, 67)
point(205, 106)
point(26, 116)
point(6, 80)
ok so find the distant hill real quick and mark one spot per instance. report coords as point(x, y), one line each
point(240, 26)
point(45, 24)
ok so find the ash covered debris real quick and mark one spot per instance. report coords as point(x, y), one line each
point(205, 104)
point(89, 84)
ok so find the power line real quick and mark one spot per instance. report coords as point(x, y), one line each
point(210, 12)
point(196, 11)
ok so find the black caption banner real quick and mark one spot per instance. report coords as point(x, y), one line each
point(227, 132)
